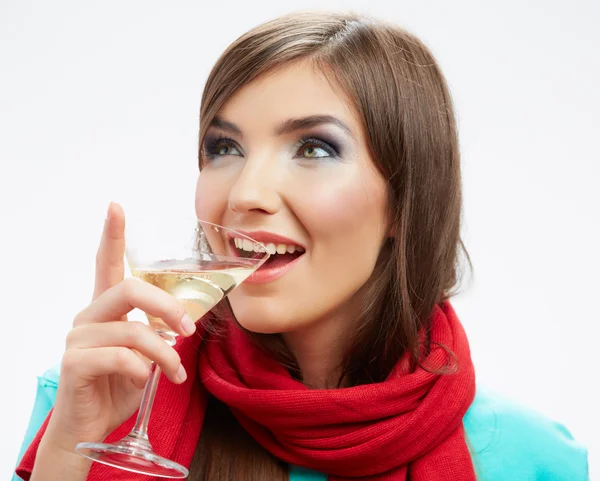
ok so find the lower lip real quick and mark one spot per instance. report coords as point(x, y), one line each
point(266, 274)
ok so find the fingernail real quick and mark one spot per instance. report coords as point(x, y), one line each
point(108, 210)
point(181, 374)
point(187, 325)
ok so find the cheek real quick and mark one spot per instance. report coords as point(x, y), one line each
point(351, 208)
point(210, 201)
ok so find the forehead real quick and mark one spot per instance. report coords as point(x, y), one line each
point(293, 91)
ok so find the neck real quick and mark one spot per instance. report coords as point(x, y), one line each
point(319, 350)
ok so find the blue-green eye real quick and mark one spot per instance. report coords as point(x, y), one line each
point(312, 148)
point(220, 147)
point(227, 149)
point(312, 152)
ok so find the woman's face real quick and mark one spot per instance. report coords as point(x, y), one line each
point(286, 161)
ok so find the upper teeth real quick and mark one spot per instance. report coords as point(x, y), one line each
point(248, 245)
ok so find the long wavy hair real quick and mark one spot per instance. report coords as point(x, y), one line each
point(402, 98)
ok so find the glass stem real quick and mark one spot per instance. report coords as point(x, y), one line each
point(140, 430)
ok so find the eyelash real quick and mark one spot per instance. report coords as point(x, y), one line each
point(210, 150)
point(326, 146)
point(211, 145)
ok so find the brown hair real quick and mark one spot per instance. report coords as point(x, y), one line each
point(400, 94)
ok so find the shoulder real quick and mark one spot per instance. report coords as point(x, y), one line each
point(512, 442)
point(44, 401)
point(51, 376)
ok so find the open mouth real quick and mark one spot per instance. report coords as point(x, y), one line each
point(279, 254)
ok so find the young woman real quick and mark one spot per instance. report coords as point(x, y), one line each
point(334, 135)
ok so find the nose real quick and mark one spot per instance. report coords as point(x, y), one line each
point(255, 189)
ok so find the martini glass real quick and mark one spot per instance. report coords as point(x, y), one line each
point(199, 272)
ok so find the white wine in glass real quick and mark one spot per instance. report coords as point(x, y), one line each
point(199, 268)
point(199, 285)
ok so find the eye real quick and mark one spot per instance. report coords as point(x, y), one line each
point(312, 148)
point(220, 147)
point(311, 152)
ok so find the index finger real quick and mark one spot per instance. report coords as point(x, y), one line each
point(110, 268)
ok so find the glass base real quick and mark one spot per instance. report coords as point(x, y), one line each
point(132, 455)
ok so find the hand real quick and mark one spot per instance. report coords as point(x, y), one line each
point(107, 359)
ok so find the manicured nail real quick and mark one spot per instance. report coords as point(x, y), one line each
point(181, 374)
point(187, 325)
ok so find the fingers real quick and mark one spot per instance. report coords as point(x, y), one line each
point(109, 258)
point(89, 364)
point(131, 293)
point(132, 335)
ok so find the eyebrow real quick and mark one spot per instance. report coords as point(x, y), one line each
point(292, 125)
point(287, 127)
point(219, 123)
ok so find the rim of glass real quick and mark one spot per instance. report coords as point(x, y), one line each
point(200, 239)
point(238, 233)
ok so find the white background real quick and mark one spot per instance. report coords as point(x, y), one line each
point(99, 101)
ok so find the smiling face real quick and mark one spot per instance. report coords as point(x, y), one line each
point(286, 161)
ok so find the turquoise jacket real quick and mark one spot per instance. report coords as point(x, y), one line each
point(509, 442)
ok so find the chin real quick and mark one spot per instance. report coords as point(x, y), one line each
point(260, 325)
point(260, 319)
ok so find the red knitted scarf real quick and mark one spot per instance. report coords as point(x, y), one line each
point(408, 427)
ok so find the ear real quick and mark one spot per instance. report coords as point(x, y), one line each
point(392, 232)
